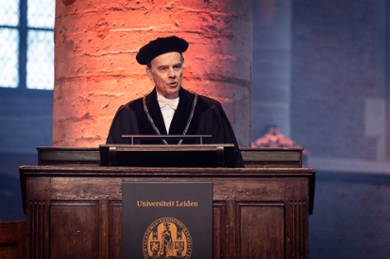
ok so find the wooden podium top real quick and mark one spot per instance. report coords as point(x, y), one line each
point(86, 171)
point(253, 157)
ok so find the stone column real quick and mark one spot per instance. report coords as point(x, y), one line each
point(272, 66)
point(95, 68)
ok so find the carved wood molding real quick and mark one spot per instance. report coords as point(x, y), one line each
point(298, 229)
point(38, 229)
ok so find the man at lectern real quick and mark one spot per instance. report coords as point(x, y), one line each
point(169, 108)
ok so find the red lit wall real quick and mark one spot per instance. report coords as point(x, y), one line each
point(95, 68)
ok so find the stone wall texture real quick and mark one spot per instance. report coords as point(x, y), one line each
point(25, 122)
point(338, 86)
point(95, 68)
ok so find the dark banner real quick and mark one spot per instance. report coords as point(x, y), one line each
point(167, 220)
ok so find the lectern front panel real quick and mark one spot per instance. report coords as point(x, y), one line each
point(76, 212)
point(262, 230)
point(74, 229)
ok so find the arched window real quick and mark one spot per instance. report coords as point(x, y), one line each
point(27, 44)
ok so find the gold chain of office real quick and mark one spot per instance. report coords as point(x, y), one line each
point(150, 119)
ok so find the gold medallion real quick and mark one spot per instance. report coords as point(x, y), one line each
point(167, 238)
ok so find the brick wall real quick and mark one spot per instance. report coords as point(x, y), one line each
point(26, 121)
point(338, 50)
point(95, 68)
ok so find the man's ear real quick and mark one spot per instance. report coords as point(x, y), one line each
point(149, 72)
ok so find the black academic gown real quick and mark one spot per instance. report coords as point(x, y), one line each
point(209, 119)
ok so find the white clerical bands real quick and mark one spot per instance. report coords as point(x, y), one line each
point(155, 127)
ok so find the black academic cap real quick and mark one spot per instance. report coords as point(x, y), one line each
point(160, 46)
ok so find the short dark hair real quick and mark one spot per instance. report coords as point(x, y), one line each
point(149, 65)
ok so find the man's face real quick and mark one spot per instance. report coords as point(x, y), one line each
point(166, 71)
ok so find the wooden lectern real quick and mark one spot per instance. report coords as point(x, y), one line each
point(74, 206)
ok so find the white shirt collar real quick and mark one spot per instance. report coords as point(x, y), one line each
point(172, 102)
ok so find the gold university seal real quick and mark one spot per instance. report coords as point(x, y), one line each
point(167, 238)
